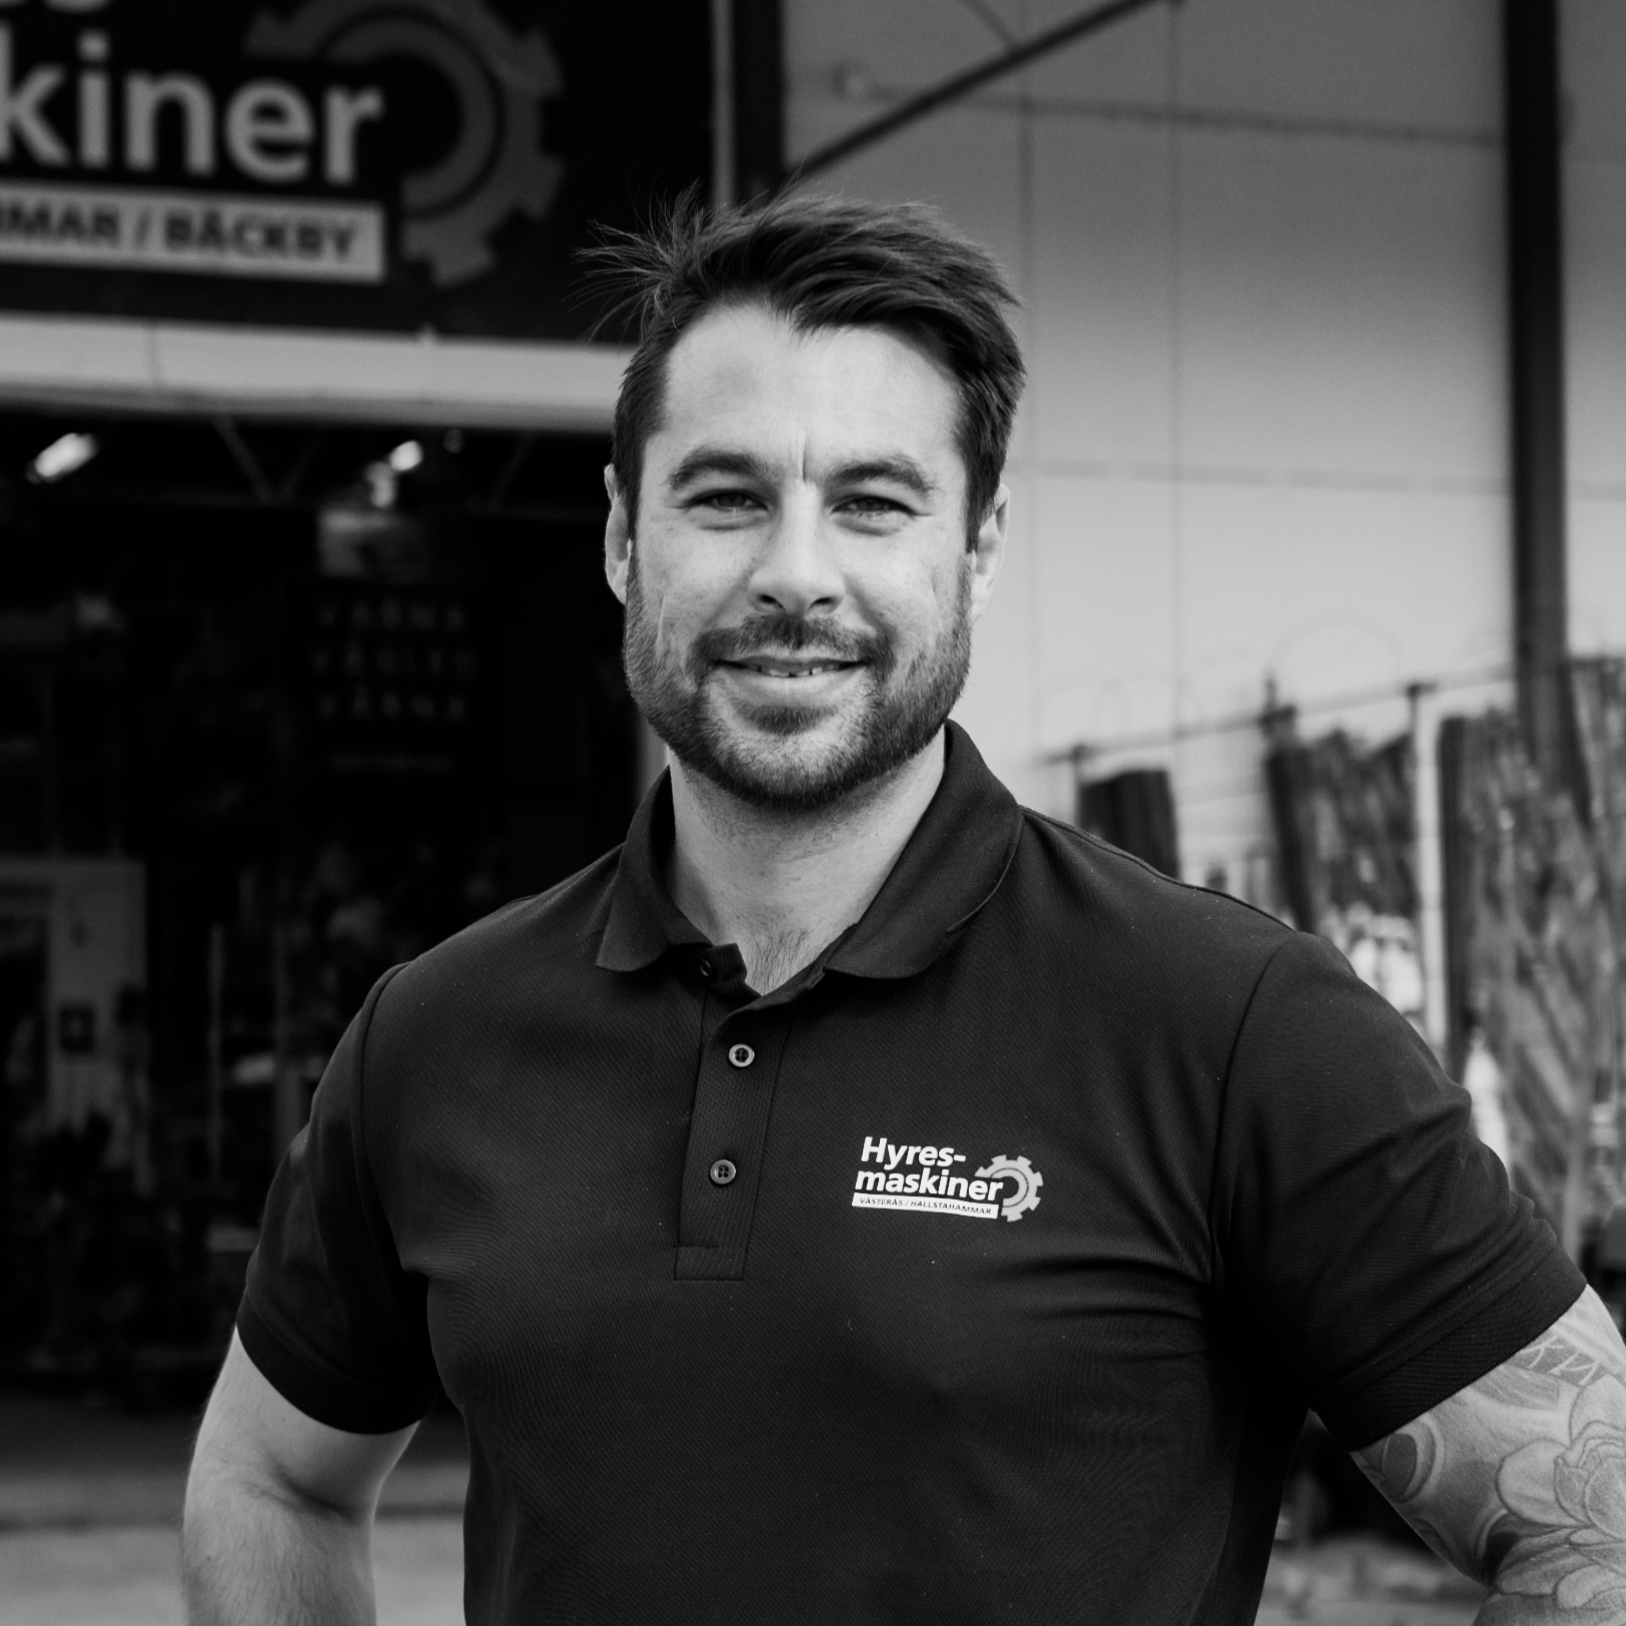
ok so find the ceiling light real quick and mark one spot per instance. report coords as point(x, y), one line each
point(63, 456)
point(406, 457)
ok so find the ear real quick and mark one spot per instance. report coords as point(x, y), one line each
point(988, 550)
point(617, 537)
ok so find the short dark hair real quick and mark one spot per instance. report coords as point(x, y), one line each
point(819, 262)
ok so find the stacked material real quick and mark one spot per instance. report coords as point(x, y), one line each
point(1536, 874)
point(1535, 904)
point(1343, 814)
point(1346, 837)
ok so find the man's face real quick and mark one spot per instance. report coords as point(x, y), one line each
point(799, 590)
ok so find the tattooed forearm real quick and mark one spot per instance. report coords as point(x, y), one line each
point(1520, 1479)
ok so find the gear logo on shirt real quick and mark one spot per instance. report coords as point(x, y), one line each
point(1027, 1180)
point(893, 1174)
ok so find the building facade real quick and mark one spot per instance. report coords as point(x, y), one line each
point(300, 420)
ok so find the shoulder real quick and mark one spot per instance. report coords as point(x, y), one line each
point(1072, 886)
point(517, 953)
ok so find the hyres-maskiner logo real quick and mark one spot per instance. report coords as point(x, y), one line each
point(893, 1174)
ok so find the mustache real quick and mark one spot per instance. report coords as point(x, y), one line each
point(789, 635)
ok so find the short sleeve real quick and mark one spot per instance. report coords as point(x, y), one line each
point(1370, 1245)
point(328, 1315)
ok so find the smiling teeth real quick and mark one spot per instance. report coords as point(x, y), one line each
point(791, 671)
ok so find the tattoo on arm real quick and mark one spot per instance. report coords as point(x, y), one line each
point(1555, 1353)
point(1520, 1478)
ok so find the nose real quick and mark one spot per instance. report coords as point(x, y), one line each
point(797, 572)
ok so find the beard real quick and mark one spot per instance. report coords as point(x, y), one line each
point(771, 759)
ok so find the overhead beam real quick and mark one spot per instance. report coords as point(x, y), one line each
point(86, 363)
point(1530, 70)
point(962, 84)
point(242, 455)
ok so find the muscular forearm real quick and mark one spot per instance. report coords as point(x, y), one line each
point(252, 1556)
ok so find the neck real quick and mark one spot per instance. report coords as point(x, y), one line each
point(782, 886)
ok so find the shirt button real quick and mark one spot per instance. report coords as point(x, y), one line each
point(723, 1172)
point(705, 969)
point(742, 1055)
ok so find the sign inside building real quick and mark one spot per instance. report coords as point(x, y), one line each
point(374, 164)
point(391, 676)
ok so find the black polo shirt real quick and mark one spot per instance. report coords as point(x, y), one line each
point(983, 1272)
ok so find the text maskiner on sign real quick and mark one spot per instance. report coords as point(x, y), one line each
point(191, 231)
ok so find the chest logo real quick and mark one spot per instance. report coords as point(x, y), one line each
point(922, 1178)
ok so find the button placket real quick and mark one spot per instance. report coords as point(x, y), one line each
point(727, 1133)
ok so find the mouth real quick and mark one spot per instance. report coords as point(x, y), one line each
point(790, 666)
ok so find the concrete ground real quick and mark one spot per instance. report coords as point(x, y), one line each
point(1364, 1581)
point(126, 1576)
point(90, 1500)
point(129, 1575)
point(90, 1503)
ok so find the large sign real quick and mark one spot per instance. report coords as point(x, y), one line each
point(406, 164)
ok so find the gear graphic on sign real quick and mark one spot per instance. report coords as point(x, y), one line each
point(496, 167)
point(1027, 1178)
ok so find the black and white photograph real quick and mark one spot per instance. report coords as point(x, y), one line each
point(812, 812)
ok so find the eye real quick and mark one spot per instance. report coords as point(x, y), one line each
point(872, 506)
point(726, 501)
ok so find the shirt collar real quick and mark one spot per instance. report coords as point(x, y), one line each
point(949, 868)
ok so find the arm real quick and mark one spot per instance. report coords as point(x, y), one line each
point(279, 1510)
point(1520, 1478)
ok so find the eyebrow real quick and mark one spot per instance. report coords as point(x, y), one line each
point(708, 461)
point(705, 461)
point(899, 470)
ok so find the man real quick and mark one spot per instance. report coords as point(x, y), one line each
point(859, 1199)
